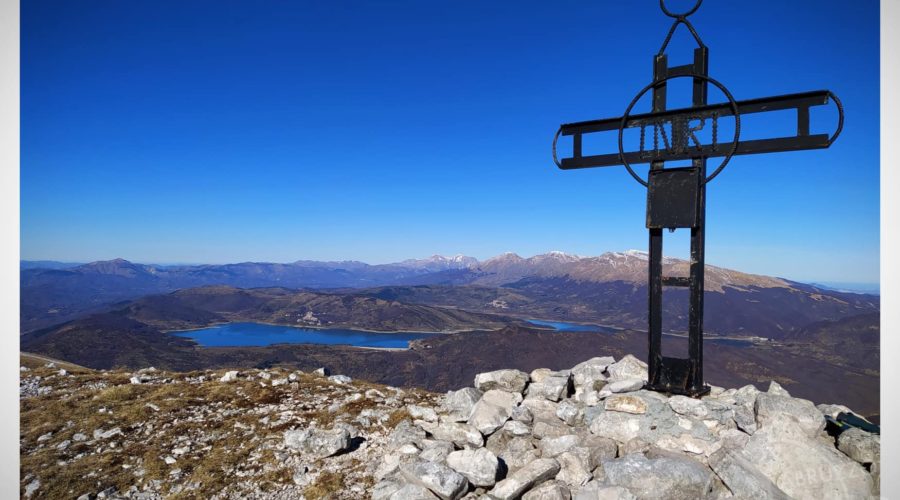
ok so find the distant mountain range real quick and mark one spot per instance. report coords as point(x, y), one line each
point(609, 289)
point(116, 313)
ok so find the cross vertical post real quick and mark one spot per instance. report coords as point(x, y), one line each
point(682, 376)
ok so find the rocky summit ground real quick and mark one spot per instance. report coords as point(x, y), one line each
point(590, 432)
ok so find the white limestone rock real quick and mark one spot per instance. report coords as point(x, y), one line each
point(413, 492)
point(440, 479)
point(742, 478)
point(319, 443)
point(597, 490)
point(573, 469)
point(504, 380)
point(493, 410)
point(860, 445)
point(525, 478)
point(628, 367)
point(625, 385)
point(773, 406)
point(776, 389)
point(462, 435)
point(458, 404)
point(805, 468)
point(570, 413)
point(667, 478)
point(553, 387)
point(422, 413)
point(549, 490)
point(553, 446)
point(626, 403)
point(479, 466)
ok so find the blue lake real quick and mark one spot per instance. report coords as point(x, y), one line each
point(572, 327)
point(257, 334)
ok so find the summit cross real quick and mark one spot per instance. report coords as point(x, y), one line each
point(676, 196)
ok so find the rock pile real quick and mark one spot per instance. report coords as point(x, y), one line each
point(592, 432)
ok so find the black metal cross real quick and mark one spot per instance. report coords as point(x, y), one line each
point(676, 196)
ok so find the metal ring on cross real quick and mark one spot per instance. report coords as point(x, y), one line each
point(662, 5)
point(731, 101)
point(840, 108)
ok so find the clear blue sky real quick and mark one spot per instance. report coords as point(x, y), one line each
point(224, 131)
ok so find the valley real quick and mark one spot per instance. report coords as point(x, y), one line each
point(822, 344)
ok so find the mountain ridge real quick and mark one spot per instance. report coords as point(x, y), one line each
point(53, 296)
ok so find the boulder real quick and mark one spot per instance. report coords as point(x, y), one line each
point(229, 376)
point(390, 463)
point(438, 478)
point(804, 468)
point(539, 374)
point(570, 413)
point(746, 395)
point(621, 427)
point(772, 406)
point(860, 445)
point(404, 433)
point(413, 492)
point(625, 385)
point(553, 446)
point(627, 368)
point(540, 409)
point(776, 389)
point(317, 442)
point(742, 478)
point(549, 490)
point(832, 410)
point(744, 419)
point(543, 429)
point(525, 478)
point(522, 414)
point(340, 379)
point(462, 435)
point(504, 380)
point(493, 410)
point(601, 449)
point(436, 451)
point(479, 466)
point(422, 413)
point(596, 490)
point(589, 375)
point(690, 407)
point(626, 403)
point(588, 397)
point(573, 468)
point(458, 404)
point(519, 452)
point(515, 429)
point(876, 478)
point(384, 489)
point(552, 387)
point(664, 478)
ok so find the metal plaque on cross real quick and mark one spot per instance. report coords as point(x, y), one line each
point(676, 196)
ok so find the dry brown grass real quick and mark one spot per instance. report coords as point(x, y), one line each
point(325, 486)
point(396, 417)
point(34, 361)
point(184, 410)
point(126, 406)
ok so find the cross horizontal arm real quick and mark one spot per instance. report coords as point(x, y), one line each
point(801, 141)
